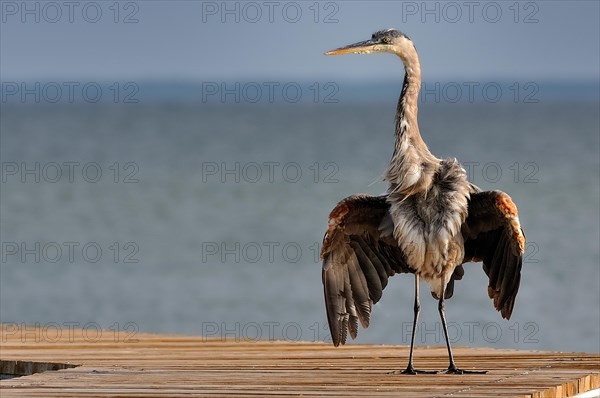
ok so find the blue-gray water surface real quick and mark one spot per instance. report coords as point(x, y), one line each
point(198, 219)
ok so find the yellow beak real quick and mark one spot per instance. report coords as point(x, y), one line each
point(361, 47)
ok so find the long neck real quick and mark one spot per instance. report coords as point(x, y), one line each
point(412, 165)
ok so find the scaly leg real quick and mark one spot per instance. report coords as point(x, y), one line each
point(410, 370)
point(452, 369)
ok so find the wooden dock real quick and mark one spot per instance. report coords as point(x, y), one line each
point(76, 363)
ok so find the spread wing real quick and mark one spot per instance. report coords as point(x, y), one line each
point(359, 255)
point(493, 235)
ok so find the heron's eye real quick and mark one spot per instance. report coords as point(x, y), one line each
point(385, 40)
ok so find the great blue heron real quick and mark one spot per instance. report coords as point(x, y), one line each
point(430, 222)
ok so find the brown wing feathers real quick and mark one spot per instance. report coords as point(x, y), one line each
point(356, 263)
point(494, 236)
point(359, 255)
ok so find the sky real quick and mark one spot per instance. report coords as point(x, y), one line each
point(270, 40)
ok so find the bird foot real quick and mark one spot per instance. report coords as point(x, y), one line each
point(453, 370)
point(412, 371)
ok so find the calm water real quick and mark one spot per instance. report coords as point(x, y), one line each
point(208, 219)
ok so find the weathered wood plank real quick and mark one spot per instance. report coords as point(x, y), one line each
point(184, 366)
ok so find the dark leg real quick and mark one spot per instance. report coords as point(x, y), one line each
point(452, 369)
point(417, 308)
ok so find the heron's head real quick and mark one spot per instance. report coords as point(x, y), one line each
point(384, 41)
